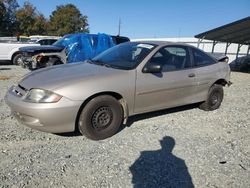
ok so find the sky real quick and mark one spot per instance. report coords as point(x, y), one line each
point(153, 18)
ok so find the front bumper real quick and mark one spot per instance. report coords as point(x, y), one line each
point(57, 117)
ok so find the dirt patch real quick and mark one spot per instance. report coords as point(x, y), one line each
point(5, 77)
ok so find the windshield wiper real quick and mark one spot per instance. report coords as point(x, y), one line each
point(89, 61)
point(101, 63)
point(98, 62)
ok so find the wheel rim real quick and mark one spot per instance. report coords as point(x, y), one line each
point(19, 60)
point(215, 98)
point(102, 118)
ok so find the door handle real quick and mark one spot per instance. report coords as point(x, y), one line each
point(191, 75)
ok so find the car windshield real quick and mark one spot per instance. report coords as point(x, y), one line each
point(32, 41)
point(62, 42)
point(124, 56)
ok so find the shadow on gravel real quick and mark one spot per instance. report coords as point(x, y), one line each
point(5, 68)
point(161, 168)
point(149, 115)
point(70, 134)
point(5, 63)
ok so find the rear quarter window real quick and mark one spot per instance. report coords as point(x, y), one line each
point(201, 59)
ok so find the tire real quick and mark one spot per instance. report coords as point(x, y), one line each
point(100, 118)
point(16, 59)
point(53, 62)
point(214, 98)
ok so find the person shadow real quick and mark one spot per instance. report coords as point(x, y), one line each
point(161, 168)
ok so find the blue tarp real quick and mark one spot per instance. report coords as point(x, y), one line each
point(85, 46)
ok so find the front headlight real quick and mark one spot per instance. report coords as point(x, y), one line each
point(42, 96)
point(39, 58)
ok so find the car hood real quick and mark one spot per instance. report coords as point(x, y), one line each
point(60, 76)
point(40, 49)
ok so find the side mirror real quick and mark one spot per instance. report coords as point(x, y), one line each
point(152, 67)
point(224, 59)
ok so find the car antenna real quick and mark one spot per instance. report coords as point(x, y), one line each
point(119, 27)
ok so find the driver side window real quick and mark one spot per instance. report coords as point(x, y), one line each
point(172, 58)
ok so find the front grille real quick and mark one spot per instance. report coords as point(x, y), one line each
point(19, 91)
point(22, 87)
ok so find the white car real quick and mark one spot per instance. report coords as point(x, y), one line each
point(9, 51)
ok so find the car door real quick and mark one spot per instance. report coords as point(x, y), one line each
point(173, 86)
point(6, 50)
point(206, 70)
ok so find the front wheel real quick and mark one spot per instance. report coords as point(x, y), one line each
point(17, 59)
point(100, 118)
point(214, 98)
point(52, 62)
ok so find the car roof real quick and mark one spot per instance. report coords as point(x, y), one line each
point(162, 43)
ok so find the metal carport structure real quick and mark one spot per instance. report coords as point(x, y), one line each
point(236, 32)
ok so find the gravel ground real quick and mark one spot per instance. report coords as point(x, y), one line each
point(181, 147)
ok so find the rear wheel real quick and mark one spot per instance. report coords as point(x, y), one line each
point(17, 59)
point(214, 98)
point(100, 118)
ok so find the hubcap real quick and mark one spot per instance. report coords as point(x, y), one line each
point(102, 118)
point(19, 61)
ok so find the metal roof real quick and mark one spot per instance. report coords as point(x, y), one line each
point(235, 32)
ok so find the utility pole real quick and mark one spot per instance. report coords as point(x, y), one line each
point(119, 27)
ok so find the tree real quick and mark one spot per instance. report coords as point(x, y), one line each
point(29, 21)
point(7, 17)
point(26, 18)
point(41, 24)
point(67, 19)
point(2, 16)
